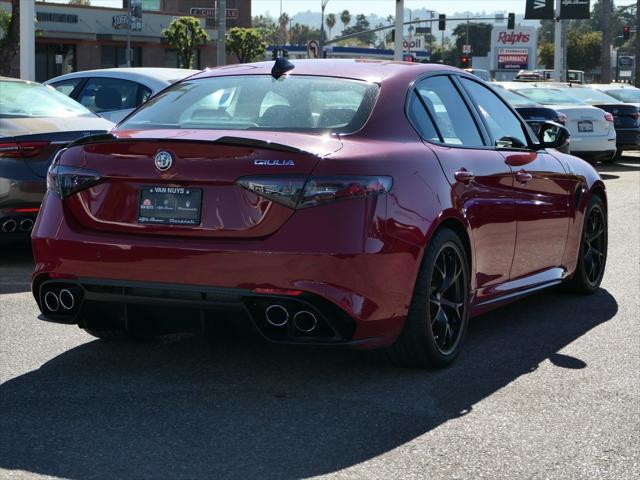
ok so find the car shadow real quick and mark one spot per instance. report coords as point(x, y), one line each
point(180, 408)
point(626, 164)
point(16, 266)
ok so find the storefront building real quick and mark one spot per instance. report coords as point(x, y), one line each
point(70, 38)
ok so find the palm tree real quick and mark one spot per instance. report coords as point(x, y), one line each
point(331, 22)
point(345, 18)
point(283, 21)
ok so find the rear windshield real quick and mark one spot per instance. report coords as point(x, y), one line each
point(549, 96)
point(629, 95)
point(590, 95)
point(22, 99)
point(259, 102)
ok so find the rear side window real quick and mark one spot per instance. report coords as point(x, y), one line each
point(67, 86)
point(260, 102)
point(111, 94)
point(447, 108)
point(504, 126)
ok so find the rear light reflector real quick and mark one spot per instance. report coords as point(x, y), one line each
point(277, 291)
point(21, 149)
point(608, 117)
point(63, 181)
point(299, 192)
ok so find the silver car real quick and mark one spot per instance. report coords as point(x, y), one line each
point(35, 122)
point(113, 93)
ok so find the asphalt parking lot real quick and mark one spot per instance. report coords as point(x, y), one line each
point(546, 388)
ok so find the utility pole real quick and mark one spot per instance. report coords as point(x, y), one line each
point(638, 44)
point(606, 41)
point(128, 52)
point(559, 54)
point(27, 40)
point(221, 54)
point(323, 4)
point(399, 29)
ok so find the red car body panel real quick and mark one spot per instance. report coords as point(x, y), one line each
point(361, 255)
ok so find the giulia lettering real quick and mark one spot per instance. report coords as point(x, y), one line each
point(274, 163)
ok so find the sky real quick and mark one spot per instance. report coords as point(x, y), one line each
point(386, 7)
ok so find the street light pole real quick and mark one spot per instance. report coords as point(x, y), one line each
point(399, 29)
point(323, 4)
point(128, 52)
point(27, 40)
point(221, 54)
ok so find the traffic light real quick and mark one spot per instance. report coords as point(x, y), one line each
point(442, 20)
point(511, 21)
point(393, 35)
point(626, 32)
point(465, 61)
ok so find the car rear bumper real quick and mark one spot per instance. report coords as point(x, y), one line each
point(369, 289)
point(628, 138)
point(21, 194)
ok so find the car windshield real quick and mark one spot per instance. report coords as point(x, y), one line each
point(513, 98)
point(259, 102)
point(627, 95)
point(590, 95)
point(549, 96)
point(26, 99)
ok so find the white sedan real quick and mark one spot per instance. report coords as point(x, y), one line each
point(113, 93)
point(593, 135)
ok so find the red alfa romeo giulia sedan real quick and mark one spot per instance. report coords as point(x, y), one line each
point(330, 202)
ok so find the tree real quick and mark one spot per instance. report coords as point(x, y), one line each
point(345, 18)
point(330, 22)
point(86, 3)
point(10, 41)
point(479, 37)
point(185, 34)
point(283, 22)
point(583, 50)
point(245, 43)
point(301, 34)
point(267, 28)
point(362, 25)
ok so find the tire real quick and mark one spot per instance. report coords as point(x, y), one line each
point(592, 256)
point(424, 339)
point(614, 158)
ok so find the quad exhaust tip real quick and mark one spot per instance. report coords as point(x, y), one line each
point(63, 300)
point(277, 315)
point(51, 301)
point(9, 226)
point(305, 321)
point(26, 225)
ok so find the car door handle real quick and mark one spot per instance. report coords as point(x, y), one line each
point(463, 175)
point(523, 177)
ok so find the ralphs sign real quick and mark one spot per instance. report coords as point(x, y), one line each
point(513, 50)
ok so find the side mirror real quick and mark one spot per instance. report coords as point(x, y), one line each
point(554, 135)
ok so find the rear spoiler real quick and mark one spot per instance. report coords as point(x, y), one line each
point(228, 140)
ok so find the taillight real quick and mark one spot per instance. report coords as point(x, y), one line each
point(21, 149)
point(64, 181)
point(299, 192)
point(608, 117)
point(562, 118)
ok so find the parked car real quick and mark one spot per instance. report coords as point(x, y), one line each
point(374, 207)
point(480, 73)
point(626, 116)
point(620, 91)
point(533, 113)
point(113, 93)
point(35, 122)
point(593, 135)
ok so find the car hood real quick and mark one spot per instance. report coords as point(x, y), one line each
point(14, 127)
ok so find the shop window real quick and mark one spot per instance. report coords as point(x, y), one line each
point(53, 60)
point(113, 56)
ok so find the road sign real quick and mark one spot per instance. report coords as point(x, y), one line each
point(625, 62)
point(313, 49)
point(466, 49)
point(423, 30)
point(232, 13)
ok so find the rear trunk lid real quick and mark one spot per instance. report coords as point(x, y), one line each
point(585, 120)
point(137, 196)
